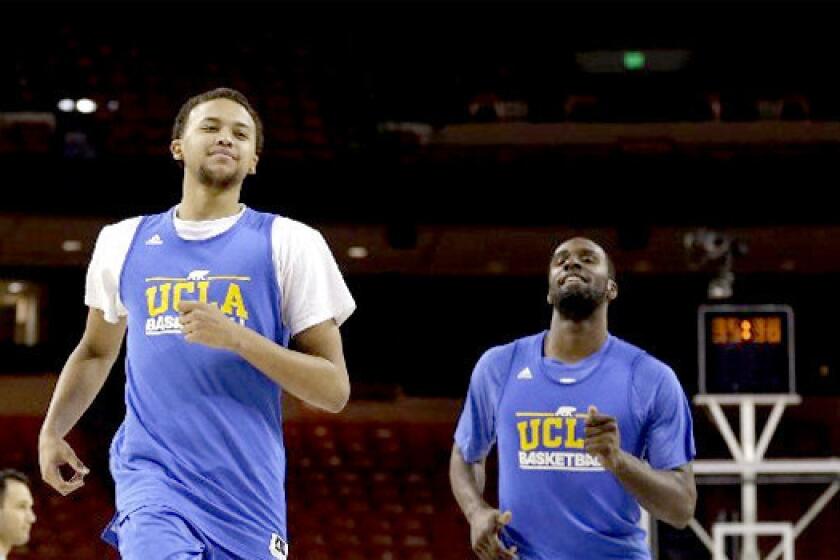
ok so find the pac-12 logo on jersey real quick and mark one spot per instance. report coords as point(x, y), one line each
point(278, 547)
point(165, 294)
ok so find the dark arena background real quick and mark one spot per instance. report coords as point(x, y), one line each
point(444, 150)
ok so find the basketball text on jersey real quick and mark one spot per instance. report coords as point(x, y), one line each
point(554, 441)
point(164, 296)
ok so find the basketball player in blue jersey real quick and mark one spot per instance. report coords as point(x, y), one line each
point(587, 428)
point(210, 294)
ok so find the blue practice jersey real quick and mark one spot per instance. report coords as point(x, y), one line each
point(202, 433)
point(564, 504)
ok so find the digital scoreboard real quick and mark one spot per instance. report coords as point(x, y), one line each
point(746, 349)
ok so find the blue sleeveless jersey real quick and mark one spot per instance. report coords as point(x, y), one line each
point(564, 504)
point(202, 432)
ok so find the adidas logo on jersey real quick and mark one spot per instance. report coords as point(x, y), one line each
point(525, 374)
point(154, 240)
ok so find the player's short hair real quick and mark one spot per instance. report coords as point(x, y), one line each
point(218, 93)
point(610, 264)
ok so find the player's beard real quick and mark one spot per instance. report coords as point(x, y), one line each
point(219, 179)
point(578, 302)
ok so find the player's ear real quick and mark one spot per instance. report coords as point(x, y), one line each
point(252, 170)
point(612, 289)
point(176, 150)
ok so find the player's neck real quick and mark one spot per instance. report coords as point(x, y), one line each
point(200, 202)
point(4, 549)
point(571, 341)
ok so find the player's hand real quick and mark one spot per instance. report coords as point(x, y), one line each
point(206, 324)
point(603, 439)
point(52, 454)
point(485, 526)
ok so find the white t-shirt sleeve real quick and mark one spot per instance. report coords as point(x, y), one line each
point(102, 284)
point(311, 285)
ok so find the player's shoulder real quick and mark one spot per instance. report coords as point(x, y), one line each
point(503, 355)
point(646, 367)
point(123, 229)
point(290, 229)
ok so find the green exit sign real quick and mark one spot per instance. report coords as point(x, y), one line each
point(634, 60)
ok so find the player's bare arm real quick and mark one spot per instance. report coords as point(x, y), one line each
point(467, 480)
point(314, 372)
point(80, 381)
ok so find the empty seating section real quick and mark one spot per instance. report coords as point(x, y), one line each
point(372, 491)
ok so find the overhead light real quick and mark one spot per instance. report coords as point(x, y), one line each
point(72, 246)
point(113, 105)
point(16, 287)
point(357, 252)
point(66, 105)
point(720, 287)
point(86, 105)
point(718, 250)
